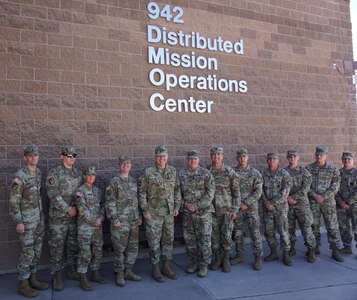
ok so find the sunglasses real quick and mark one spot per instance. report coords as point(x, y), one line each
point(70, 156)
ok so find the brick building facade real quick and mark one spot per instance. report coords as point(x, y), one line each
point(77, 72)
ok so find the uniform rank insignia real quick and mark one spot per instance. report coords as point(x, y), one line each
point(79, 194)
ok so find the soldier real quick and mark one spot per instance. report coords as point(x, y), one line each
point(250, 183)
point(123, 212)
point(299, 206)
point(197, 187)
point(90, 207)
point(25, 208)
point(226, 203)
point(325, 185)
point(276, 188)
point(346, 199)
point(160, 200)
point(62, 183)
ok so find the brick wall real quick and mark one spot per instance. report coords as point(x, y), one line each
point(76, 72)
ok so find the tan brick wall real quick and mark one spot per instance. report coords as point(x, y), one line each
point(76, 72)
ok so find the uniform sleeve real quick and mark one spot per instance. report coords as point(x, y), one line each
point(111, 203)
point(178, 196)
point(142, 193)
point(53, 193)
point(305, 186)
point(102, 206)
point(83, 210)
point(334, 186)
point(207, 197)
point(15, 200)
point(256, 190)
point(235, 190)
point(286, 184)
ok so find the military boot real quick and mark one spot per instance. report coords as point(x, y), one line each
point(317, 250)
point(346, 250)
point(98, 278)
point(292, 251)
point(287, 259)
point(57, 281)
point(120, 278)
point(311, 258)
point(72, 273)
point(166, 270)
point(272, 256)
point(36, 284)
point(238, 259)
point(130, 275)
point(156, 273)
point(83, 282)
point(336, 255)
point(217, 261)
point(26, 290)
point(202, 271)
point(258, 262)
point(226, 265)
point(193, 268)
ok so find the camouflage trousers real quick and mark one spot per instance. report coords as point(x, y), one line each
point(63, 244)
point(328, 211)
point(160, 234)
point(126, 244)
point(277, 220)
point(250, 219)
point(30, 249)
point(222, 228)
point(303, 216)
point(197, 233)
point(345, 218)
point(90, 243)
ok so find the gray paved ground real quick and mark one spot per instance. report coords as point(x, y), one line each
point(326, 279)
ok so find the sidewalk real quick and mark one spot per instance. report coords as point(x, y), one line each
point(326, 279)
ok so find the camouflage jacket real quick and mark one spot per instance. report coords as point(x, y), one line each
point(325, 180)
point(251, 185)
point(90, 205)
point(348, 187)
point(276, 188)
point(159, 191)
point(227, 195)
point(301, 179)
point(25, 204)
point(61, 184)
point(197, 188)
point(122, 199)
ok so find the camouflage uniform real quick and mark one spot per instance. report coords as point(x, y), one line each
point(251, 183)
point(25, 206)
point(198, 188)
point(90, 206)
point(301, 181)
point(122, 207)
point(348, 194)
point(226, 200)
point(276, 187)
point(62, 184)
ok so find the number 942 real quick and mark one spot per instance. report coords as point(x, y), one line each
point(175, 13)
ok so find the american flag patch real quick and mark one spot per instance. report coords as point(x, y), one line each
point(17, 180)
point(79, 194)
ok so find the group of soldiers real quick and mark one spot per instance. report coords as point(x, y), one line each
point(219, 203)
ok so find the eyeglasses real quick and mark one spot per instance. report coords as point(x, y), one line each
point(71, 156)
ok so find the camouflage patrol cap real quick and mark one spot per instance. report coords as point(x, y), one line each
point(124, 159)
point(31, 149)
point(242, 152)
point(160, 150)
point(292, 153)
point(193, 154)
point(68, 150)
point(348, 154)
point(272, 155)
point(217, 149)
point(90, 170)
point(321, 149)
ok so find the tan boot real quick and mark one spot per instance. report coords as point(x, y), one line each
point(36, 284)
point(166, 270)
point(202, 271)
point(287, 259)
point(83, 282)
point(226, 265)
point(120, 278)
point(72, 273)
point(258, 262)
point(156, 273)
point(26, 290)
point(193, 268)
point(346, 250)
point(336, 255)
point(292, 251)
point(57, 282)
point(238, 259)
point(272, 256)
point(130, 275)
point(217, 261)
point(311, 258)
point(98, 278)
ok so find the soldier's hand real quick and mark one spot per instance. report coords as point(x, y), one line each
point(268, 206)
point(232, 215)
point(20, 228)
point(72, 212)
point(98, 223)
point(147, 215)
point(344, 205)
point(176, 212)
point(291, 201)
point(319, 198)
point(117, 225)
point(140, 221)
point(190, 207)
point(243, 207)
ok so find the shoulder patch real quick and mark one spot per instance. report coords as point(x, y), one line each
point(79, 194)
point(17, 180)
point(50, 180)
